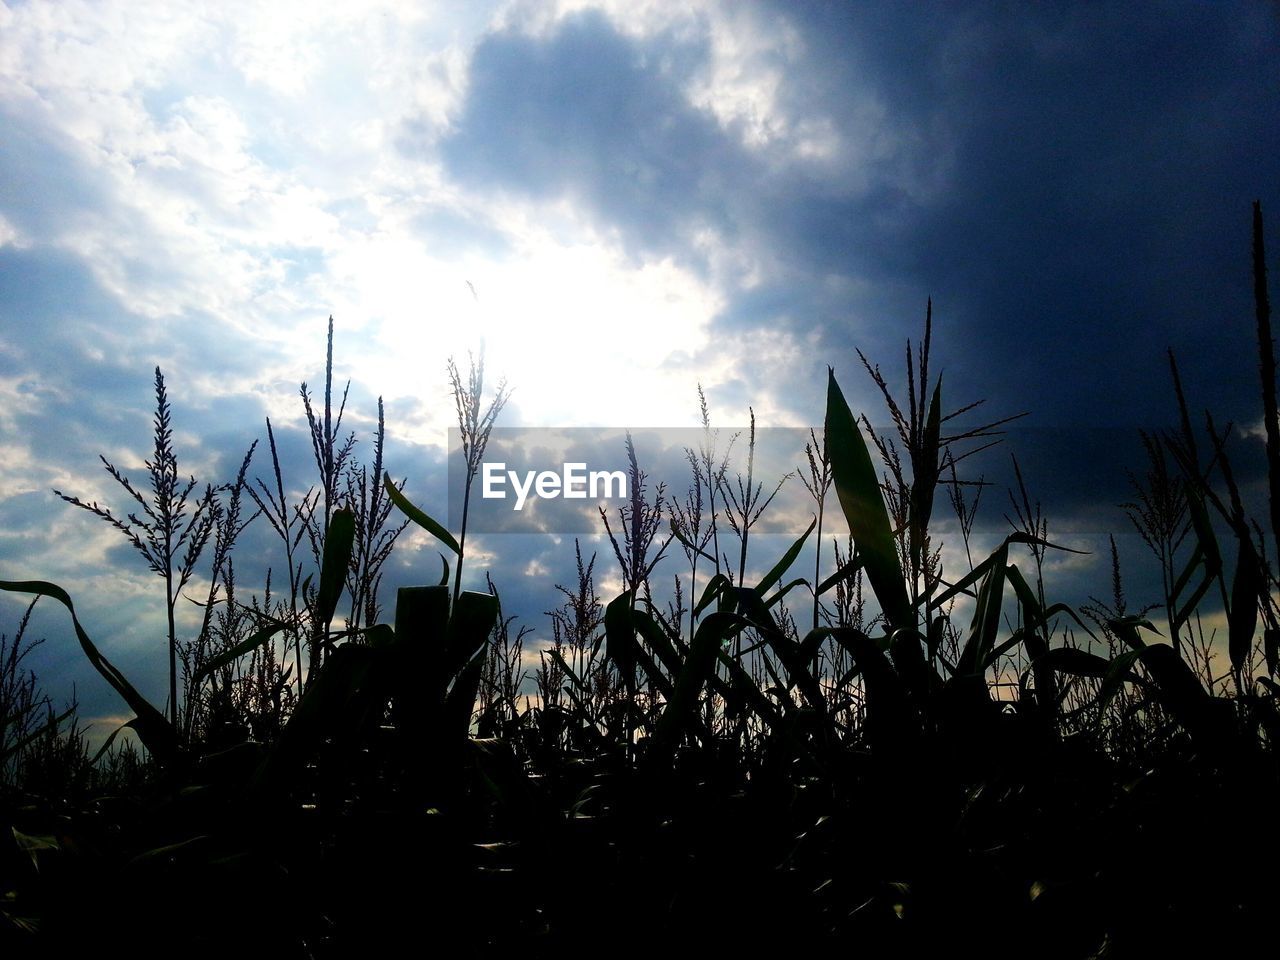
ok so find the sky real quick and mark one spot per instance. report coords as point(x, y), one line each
point(615, 202)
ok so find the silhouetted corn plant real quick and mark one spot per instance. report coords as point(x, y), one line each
point(1159, 512)
point(331, 457)
point(290, 523)
point(502, 677)
point(157, 732)
point(374, 538)
point(915, 684)
point(818, 484)
point(227, 527)
point(1267, 368)
point(474, 429)
point(425, 670)
point(26, 712)
point(575, 685)
point(693, 526)
point(745, 501)
point(714, 467)
point(169, 540)
point(639, 521)
point(844, 742)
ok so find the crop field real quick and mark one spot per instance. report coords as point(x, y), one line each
point(863, 752)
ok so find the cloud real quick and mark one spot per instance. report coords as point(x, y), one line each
point(595, 116)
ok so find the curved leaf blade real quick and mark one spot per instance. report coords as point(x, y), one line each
point(338, 542)
point(156, 732)
point(239, 650)
point(858, 489)
point(419, 517)
point(783, 565)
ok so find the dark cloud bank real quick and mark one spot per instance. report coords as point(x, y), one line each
point(1072, 184)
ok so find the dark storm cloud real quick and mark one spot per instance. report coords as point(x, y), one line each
point(603, 118)
point(598, 117)
point(1097, 203)
point(1096, 213)
point(1096, 200)
point(1071, 183)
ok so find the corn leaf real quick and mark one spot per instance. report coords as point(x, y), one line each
point(1243, 618)
point(986, 616)
point(711, 592)
point(472, 620)
point(620, 639)
point(1072, 660)
point(338, 542)
point(155, 731)
point(858, 489)
point(688, 544)
point(783, 565)
point(48, 726)
point(841, 575)
point(707, 642)
point(419, 517)
point(239, 650)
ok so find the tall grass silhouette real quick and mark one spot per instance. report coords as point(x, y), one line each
point(937, 758)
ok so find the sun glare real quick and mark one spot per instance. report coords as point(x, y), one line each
point(583, 337)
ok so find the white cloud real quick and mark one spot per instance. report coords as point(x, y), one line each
point(745, 71)
point(209, 188)
point(10, 236)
